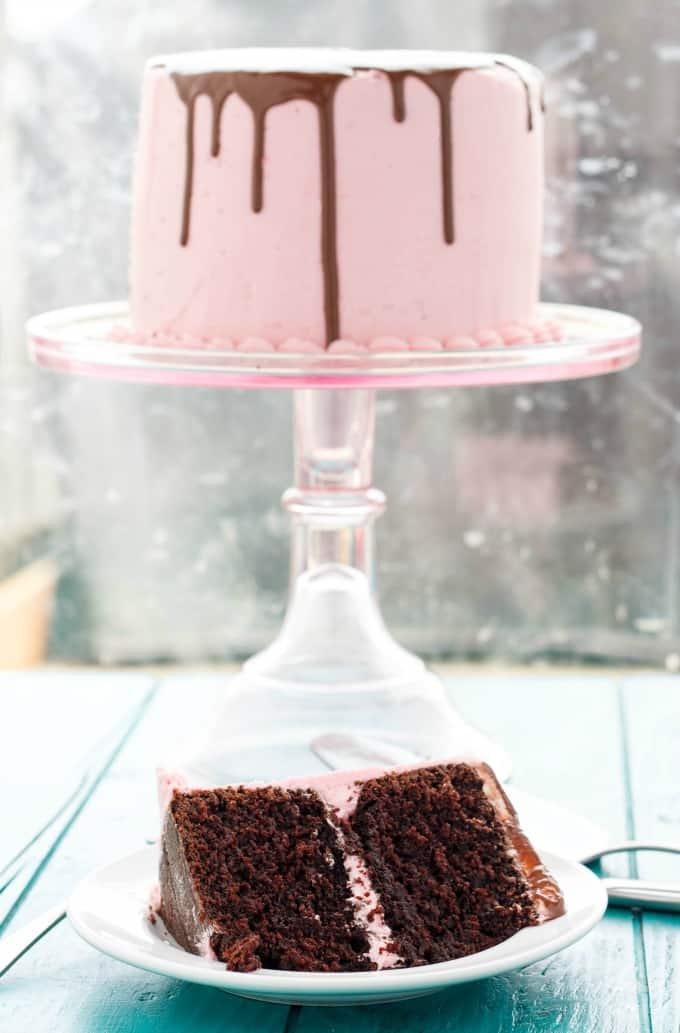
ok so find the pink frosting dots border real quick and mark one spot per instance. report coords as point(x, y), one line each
point(508, 335)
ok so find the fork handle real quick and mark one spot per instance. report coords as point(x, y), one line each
point(657, 896)
point(14, 945)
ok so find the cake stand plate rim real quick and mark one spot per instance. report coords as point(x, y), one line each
point(74, 341)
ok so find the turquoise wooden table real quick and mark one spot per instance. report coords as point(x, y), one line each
point(607, 747)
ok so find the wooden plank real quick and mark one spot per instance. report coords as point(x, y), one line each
point(62, 985)
point(580, 990)
point(48, 725)
point(563, 734)
point(651, 719)
point(52, 769)
point(564, 738)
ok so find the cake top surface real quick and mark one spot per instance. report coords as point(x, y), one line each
point(338, 788)
point(329, 60)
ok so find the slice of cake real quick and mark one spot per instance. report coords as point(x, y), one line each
point(302, 198)
point(350, 871)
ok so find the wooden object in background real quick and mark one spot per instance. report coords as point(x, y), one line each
point(25, 607)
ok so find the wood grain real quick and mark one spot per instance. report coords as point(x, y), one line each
point(651, 741)
point(62, 984)
point(563, 735)
point(604, 748)
point(45, 752)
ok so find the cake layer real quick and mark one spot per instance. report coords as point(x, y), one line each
point(444, 864)
point(330, 194)
point(349, 871)
point(255, 877)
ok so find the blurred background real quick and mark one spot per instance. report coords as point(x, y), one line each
point(140, 524)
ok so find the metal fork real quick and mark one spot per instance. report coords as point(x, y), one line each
point(640, 893)
point(631, 845)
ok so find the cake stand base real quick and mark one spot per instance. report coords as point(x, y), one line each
point(334, 666)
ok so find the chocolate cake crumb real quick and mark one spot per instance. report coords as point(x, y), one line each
point(258, 861)
point(256, 876)
point(438, 858)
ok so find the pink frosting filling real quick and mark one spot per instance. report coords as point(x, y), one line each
point(369, 913)
point(203, 947)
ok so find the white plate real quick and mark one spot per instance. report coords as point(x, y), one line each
point(108, 909)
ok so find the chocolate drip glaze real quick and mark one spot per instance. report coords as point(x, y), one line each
point(441, 83)
point(329, 249)
point(190, 87)
point(262, 91)
point(527, 90)
point(398, 102)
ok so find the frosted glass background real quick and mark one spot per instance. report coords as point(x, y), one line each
point(522, 522)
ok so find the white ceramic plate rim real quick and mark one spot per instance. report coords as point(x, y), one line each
point(585, 896)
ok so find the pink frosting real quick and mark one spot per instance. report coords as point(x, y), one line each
point(295, 345)
point(460, 343)
point(369, 913)
point(155, 898)
point(204, 948)
point(488, 339)
point(258, 274)
point(537, 332)
point(166, 783)
point(345, 347)
point(513, 333)
point(425, 344)
point(388, 344)
point(255, 344)
point(339, 790)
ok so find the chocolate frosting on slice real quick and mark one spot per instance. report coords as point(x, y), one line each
point(179, 906)
point(543, 889)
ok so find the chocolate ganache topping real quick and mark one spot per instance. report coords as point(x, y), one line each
point(264, 90)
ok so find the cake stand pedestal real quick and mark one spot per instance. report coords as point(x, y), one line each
point(333, 667)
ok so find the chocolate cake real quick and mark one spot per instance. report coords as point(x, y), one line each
point(351, 871)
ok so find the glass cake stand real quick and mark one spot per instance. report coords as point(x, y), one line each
point(334, 667)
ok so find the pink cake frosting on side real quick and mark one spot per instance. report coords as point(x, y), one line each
point(320, 195)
